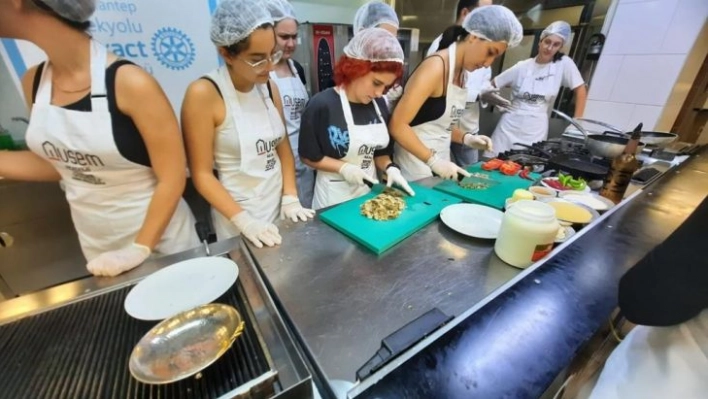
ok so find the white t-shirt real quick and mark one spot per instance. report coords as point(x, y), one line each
point(535, 84)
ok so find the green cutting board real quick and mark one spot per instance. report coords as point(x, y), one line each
point(379, 236)
point(494, 196)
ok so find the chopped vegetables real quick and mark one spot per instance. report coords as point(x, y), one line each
point(510, 168)
point(566, 182)
point(492, 164)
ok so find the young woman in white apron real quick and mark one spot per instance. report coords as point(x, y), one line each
point(232, 120)
point(289, 76)
point(343, 133)
point(116, 147)
point(535, 83)
point(425, 121)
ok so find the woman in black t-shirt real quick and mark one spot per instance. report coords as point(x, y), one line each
point(343, 131)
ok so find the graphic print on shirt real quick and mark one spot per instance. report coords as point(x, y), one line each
point(294, 106)
point(78, 163)
point(455, 114)
point(339, 140)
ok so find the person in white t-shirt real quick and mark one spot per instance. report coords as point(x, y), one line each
point(535, 83)
point(477, 83)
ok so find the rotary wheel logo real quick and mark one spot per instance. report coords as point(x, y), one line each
point(173, 48)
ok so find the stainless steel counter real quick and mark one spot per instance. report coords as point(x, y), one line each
point(343, 299)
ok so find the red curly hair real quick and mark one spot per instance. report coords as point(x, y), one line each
point(349, 69)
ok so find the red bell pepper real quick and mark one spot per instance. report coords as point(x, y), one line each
point(510, 168)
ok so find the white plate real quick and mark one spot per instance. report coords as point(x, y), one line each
point(473, 220)
point(594, 201)
point(585, 190)
point(179, 287)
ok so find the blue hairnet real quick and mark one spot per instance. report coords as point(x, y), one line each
point(558, 28)
point(73, 10)
point(235, 20)
point(494, 23)
point(373, 14)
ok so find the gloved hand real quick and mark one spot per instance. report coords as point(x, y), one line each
point(354, 175)
point(256, 231)
point(477, 141)
point(394, 94)
point(490, 95)
point(113, 263)
point(446, 169)
point(394, 176)
point(290, 208)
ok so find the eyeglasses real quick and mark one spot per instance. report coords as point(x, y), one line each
point(260, 65)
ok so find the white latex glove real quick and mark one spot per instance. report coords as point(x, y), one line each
point(446, 169)
point(394, 94)
point(490, 95)
point(290, 208)
point(477, 141)
point(113, 263)
point(394, 176)
point(354, 175)
point(256, 231)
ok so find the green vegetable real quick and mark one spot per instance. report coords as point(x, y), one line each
point(569, 181)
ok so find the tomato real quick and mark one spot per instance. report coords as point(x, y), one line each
point(492, 164)
point(509, 168)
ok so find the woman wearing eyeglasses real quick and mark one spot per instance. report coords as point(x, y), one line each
point(289, 75)
point(233, 119)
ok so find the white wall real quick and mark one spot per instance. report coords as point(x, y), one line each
point(332, 11)
point(647, 46)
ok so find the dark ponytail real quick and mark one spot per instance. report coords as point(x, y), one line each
point(451, 35)
point(557, 56)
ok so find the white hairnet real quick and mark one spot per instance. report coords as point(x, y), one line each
point(373, 14)
point(375, 45)
point(280, 10)
point(558, 28)
point(494, 23)
point(73, 10)
point(235, 20)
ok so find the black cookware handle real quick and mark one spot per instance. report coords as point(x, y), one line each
point(546, 154)
point(403, 339)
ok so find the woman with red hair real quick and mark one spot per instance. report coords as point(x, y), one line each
point(343, 131)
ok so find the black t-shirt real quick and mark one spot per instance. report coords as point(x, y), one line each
point(670, 284)
point(323, 130)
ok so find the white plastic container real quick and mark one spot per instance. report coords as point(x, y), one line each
point(527, 233)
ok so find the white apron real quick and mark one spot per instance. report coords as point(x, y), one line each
point(331, 188)
point(435, 134)
point(533, 95)
point(245, 155)
point(108, 195)
point(658, 362)
point(294, 97)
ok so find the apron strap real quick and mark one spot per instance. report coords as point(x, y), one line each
point(347, 109)
point(99, 59)
point(44, 90)
point(451, 64)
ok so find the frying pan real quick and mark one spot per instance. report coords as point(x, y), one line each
point(657, 139)
point(608, 145)
point(571, 164)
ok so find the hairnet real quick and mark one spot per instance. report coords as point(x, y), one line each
point(373, 14)
point(375, 45)
point(558, 28)
point(494, 23)
point(235, 20)
point(280, 9)
point(73, 10)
